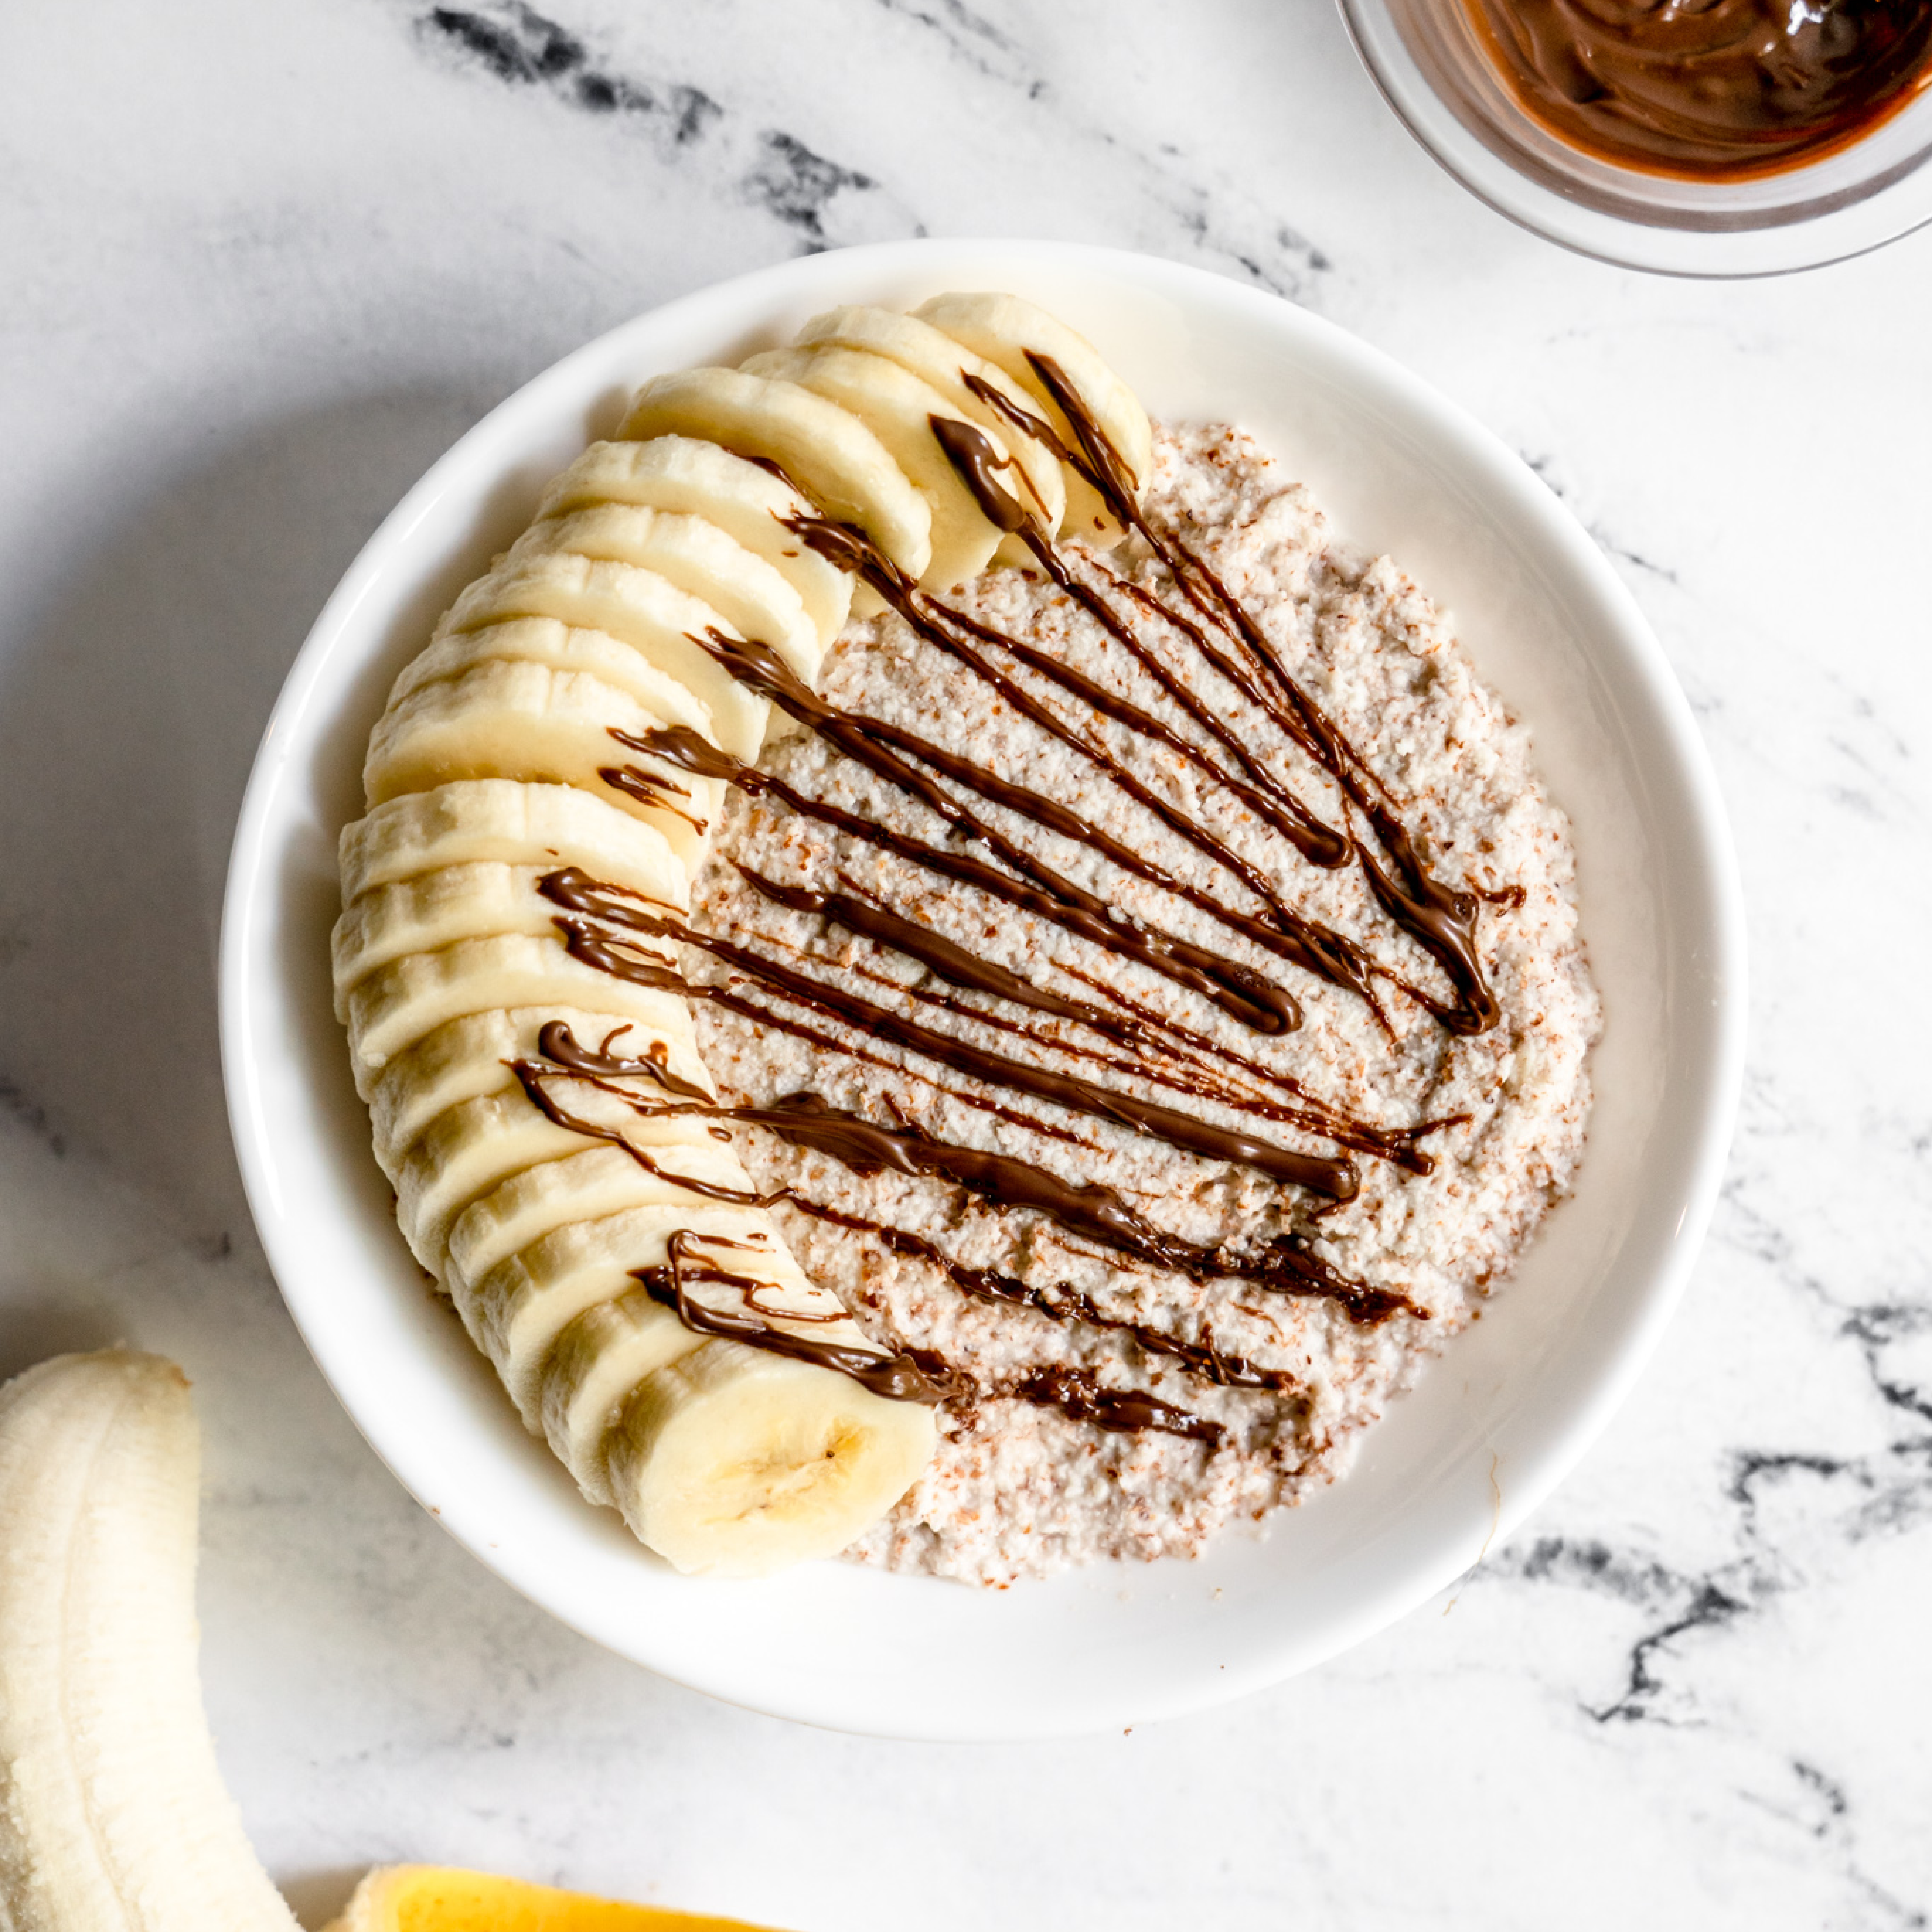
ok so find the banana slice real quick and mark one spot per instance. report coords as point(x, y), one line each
point(561, 647)
point(826, 451)
point(584, 1187)
point(516, 720)
point(467, 1057)
point(695, 556)
point(898, 408)
point(113, 1812)
point(609, 1347)
point(400, 1002)
point(746, 501)
point(478, 1144)
point(936, 358)
point(474, 821)
point(637, 606)
point(735, 1462)
point(1002, 328)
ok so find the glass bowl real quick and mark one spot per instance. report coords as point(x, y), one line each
point(1427, 58)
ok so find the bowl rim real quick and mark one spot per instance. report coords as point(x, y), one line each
point(1712, 1087)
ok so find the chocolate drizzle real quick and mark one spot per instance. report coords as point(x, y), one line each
point(897, 1377)
point(1088, 1210)
point(621, 933)
point(1236, 989)
point(575, 892)
point(1080, 1393)
point(556, 1043)
point(1441, 919)
point(1065, 1304)
point(1285, 932)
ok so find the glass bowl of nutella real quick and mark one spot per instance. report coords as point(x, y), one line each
point(1690, 137)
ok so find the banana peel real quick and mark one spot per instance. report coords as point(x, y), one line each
point(441, 1898)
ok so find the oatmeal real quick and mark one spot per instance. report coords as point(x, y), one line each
point(1112, 1405)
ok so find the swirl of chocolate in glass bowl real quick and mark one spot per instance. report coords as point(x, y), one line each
point(1723, 90)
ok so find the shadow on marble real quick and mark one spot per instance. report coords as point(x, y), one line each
point(129, 718)
point(35, 1329)
point(316, 1898)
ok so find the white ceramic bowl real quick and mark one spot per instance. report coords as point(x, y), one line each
point(1457, 1465)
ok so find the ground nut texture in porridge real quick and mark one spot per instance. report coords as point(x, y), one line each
point(1126, 1070)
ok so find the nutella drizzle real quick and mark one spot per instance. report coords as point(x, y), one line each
point(1441, 919)
point(1236, 989)
point(1288, 934)
point(1090, 1210)
point(1064, 1304)
point(956, 965)
point(610, 928)
point(897, 1377)
point(576, 892)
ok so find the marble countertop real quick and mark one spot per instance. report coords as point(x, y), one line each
point(259, 265)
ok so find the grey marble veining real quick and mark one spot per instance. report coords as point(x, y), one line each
point(262, 264)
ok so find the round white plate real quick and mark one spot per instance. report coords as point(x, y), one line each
point(1457, 1465)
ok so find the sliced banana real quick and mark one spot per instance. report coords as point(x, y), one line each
point(601, 1355)
point(826, 451)
point(746, 501)
point(470, 1056)
point(936, 358)
point(648, 612)
point(735, 1462)
point(486, 773)
point(505, 719)
point(584, 1187)
point(695, 555)
point(401, 1003)
point(898, 409)
point(474, 820)
point(1002, 328)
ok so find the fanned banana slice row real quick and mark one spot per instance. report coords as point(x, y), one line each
point(473, 1055)
point(599, 1181)
point(555, 1219)
point(400, 1002)
point(693, 555)
point(637, 606)
point(471, 820)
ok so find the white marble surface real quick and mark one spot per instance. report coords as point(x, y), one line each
point(258, 265)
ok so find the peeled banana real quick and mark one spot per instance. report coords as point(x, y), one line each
point(113, 1817)
point(516, 746)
